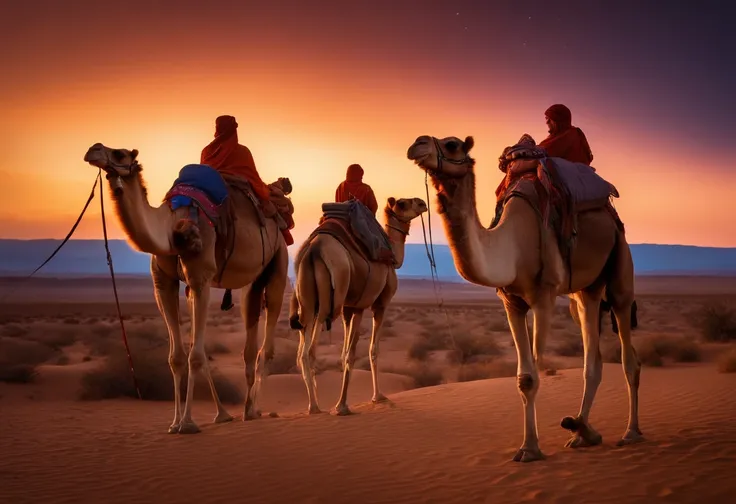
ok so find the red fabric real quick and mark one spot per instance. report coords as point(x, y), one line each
point(353, 187)
point(227, 156)
point(568, 142)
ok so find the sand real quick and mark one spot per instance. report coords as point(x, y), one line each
point(447, 443)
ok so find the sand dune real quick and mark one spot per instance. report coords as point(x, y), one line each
point(447, 443)
point(450, 443)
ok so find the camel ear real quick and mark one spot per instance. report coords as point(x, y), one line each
point(468, 144)
point(134, 154)
point(391, 201)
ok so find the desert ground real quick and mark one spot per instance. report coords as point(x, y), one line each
point(73, 430)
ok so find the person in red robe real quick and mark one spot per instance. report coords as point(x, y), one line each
point(353, 187)
point(565, 140)
point(228, 157)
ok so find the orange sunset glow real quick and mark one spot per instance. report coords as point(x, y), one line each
point(313, 92)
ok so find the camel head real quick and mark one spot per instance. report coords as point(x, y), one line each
point(119, 163)
point(442, 158)
point(404, 210)
point(446, 161)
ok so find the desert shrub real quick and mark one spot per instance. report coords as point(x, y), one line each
point(284, 360)
point(429, 341)
point(727, 362)
point(486, 370)
point(570, 347)
point(468, 347)
point(419, 350)
point(14, 330)
point(426, 376)
point(653, 350)
point(718, 323)
point(17, 373)
point(19, 358)
point(423, 375)
point(113, 379)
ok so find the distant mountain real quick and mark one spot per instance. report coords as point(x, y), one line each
point(87, 257)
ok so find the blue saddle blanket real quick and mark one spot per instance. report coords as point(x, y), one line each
point(202, 177)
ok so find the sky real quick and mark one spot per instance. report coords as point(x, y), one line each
point(316, 86)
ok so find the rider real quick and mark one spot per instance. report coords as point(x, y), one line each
point(228, 157)
point(353, 187)
point(565, 140)
point(568, 142)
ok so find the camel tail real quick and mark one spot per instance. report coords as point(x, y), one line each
point(186, 237)
point(325, 285)
point(304, 297)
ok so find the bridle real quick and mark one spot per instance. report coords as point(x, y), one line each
point(397, 224)
point(442, 158)
point(113, 168)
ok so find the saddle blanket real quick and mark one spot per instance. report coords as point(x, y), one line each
point(363, 226)
point(198, 185)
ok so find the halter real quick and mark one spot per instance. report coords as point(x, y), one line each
point(401, 226)
point(112, 168)
point(441, 157)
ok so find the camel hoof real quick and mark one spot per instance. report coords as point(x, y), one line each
point(631, 437)
point(342, 410)
point(578, 441)
point(529, 455)
point(188, 428)
point(251, 415)
point(583, 435)
point(174, 428)
point(314, 410)
point(223, 417)
point(380, 398)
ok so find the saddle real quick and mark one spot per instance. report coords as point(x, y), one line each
point(557, 189)
point(355, 226)
point(209, 194)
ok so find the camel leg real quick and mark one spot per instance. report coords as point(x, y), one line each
point(303, 359)
point(632, 370)
point(250, 308)
point(347, 316)
point(274, 300)
point(222, 415)
point(166, 292)
point(351, 336)
point(200, 292)
point(527, 381)
point(589, 312)
point(378, 314)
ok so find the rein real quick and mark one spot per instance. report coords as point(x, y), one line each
point(436, 284)
point(118, 184)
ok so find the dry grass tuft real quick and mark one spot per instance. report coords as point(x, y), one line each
point(727, 362)
point(486, 370)
point(717, 323)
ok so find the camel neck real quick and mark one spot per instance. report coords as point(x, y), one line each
point(397, 232)
point(482, 256)
point(148, 228)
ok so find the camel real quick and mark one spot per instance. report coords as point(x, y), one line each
point(335, 278)
point(258, 263)
point(509, 257)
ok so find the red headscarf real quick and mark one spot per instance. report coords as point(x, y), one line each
point(568, 142)
point(354, 188)
point(228, 157)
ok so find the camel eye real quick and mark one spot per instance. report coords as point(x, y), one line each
point(452, 146)
point(402, 205)
point(118, 155)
